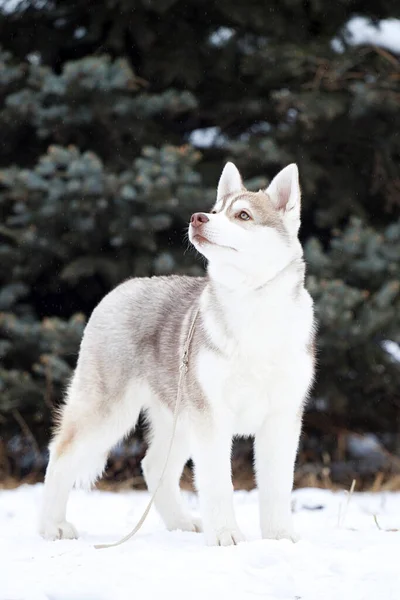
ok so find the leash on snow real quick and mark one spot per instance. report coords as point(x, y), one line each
point(183, 368)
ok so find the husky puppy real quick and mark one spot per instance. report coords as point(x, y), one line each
point(250, 368)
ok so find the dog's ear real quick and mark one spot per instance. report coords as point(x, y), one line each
point(284, 191)
point(230, 181)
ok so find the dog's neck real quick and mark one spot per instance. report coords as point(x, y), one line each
point(243, 312)
point(242, 286)
point(237, 319)
point(292, 275)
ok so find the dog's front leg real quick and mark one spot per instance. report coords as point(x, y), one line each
point(212, 458)
point(276, 445)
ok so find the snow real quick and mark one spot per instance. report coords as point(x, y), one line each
point(360, 30)
point(356, 561)
point(80, 32)
point(207, 137)
point(392, 348)
point(366, 445)
point(10, 6)
point(221, 36)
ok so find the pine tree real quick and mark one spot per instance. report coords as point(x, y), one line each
point(117, 117)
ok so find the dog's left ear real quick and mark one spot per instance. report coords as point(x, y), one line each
point(284, 191)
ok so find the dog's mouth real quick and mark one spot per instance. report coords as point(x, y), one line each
point(201, 240)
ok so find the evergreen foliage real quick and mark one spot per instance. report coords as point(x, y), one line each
point(104, 111)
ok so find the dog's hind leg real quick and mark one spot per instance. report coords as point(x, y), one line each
point(90, 426)
point(168, 499)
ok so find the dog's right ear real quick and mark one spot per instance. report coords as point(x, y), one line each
point(230, 181)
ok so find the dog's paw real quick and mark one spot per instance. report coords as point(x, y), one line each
point(196, 524)
point(58, 531)
point(225, 537)
point(189, 523)
point(281, 534)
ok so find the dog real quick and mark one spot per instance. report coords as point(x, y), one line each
point(250, 368)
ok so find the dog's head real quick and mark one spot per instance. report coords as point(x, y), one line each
point(250, 236)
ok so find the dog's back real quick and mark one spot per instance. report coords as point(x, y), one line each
point(136, 333)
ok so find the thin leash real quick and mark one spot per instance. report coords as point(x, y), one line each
point(183, 369)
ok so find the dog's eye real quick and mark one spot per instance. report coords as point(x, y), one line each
point(213, 212)
point(243, 216)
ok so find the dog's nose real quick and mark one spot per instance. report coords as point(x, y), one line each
point(198, 219)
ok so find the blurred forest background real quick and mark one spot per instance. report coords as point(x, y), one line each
point(116, 118)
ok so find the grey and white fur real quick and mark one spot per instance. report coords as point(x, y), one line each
point(251, 365)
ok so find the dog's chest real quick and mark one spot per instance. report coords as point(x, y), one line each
point(262, 366)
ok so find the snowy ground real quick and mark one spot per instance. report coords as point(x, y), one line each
point(354, 560)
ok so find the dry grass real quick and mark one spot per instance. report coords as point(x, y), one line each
point(243, 479)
